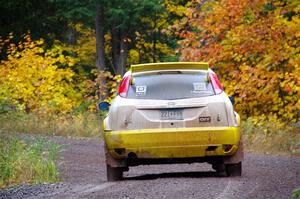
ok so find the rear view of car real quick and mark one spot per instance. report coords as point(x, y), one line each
point(172, 113)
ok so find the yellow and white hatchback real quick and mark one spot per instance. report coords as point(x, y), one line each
point(171, 113)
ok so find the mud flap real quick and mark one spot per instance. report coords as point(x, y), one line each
point(237, 157)
point(112, 162)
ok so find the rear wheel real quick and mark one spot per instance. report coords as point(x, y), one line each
point(234, 169)
point(114, 173)
point(220, 169)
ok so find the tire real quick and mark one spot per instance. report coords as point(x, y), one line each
point(114, 173)
point(220, 169)
point(234, 169)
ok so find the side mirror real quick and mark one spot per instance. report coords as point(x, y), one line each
point(103, 106)
point(231, 98)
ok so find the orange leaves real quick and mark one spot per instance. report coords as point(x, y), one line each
point(105, 86)
point(256, 49)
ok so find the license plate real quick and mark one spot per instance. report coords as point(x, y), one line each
point(171, 114)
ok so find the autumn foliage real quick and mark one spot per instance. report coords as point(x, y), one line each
point(44, 81)
point(36, 79)
point(254, 46)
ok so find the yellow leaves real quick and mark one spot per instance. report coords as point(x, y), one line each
point(85, 45)
point(238, 57)
point(40, 42)
point(61, 59)
point(117, 78)
point(173, 7)
point(134, 56)
point(32, 79)
point(259, 91)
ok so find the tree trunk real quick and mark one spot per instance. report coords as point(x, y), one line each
point(71, 36)
point(154, 46)
point(120, 45)
point(100, 42)
point(115, 45)
point(154, 38)
point(100, 54)
point(123, 55)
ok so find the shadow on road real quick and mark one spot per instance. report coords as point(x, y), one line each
point(174, 175)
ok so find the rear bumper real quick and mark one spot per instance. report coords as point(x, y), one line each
point(173, 142)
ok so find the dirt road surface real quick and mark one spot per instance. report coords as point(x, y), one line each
point(84, 176)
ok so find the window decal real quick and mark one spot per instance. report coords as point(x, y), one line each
point(199, 86)
point(141, 90)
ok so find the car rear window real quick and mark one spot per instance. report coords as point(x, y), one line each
point(170, 85)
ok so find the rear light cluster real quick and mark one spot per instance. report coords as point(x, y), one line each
point(124, 86)
point(215, 82)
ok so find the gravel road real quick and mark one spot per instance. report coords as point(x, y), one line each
point(83, 176)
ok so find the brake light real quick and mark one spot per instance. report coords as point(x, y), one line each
point(124, 85)
point(215, 82)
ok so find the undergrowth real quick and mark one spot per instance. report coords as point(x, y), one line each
point(270, 137)
point(75, 125)
point(30, 161)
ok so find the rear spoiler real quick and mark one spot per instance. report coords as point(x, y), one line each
point(169, 66)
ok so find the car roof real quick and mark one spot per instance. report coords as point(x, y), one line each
point(163, 66)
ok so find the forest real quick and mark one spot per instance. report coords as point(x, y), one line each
point(58, 58)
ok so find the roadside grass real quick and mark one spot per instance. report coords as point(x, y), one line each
point(27, 161)
point(296, 194)
point(74, 125)
point(270, 138)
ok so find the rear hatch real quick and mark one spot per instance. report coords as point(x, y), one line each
point(170, 99)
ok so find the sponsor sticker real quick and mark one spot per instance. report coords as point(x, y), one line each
point(141, 90)
point(199, 86)
point(205, 119)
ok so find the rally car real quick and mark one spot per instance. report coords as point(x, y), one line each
point(172, 112)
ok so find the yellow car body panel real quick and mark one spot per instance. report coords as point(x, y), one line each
point(173, 142)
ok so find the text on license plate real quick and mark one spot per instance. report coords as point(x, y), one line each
point(171, 114)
